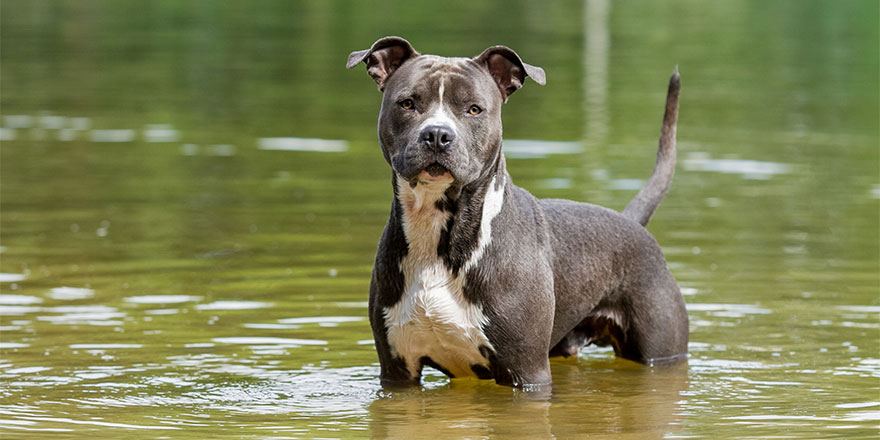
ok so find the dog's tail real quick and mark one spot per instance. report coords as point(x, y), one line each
point(646, 201)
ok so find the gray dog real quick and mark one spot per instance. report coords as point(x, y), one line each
point(474, 276)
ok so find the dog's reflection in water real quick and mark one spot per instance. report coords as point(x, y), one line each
point(611, 398)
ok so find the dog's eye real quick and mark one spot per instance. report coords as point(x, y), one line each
point(406, 104)
point(475, 110)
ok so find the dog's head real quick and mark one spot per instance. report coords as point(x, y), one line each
point(441, 117)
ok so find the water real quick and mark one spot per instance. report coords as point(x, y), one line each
point(192, 195)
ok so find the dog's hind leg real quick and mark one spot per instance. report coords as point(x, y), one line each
point(656, 324)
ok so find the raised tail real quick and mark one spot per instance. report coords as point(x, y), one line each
point(646, 201)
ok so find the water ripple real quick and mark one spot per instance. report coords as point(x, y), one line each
point(70, 293)
point(19, 299)
point(251, 340)
point(162, 299)
point(233, 305)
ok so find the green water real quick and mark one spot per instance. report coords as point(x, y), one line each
point(163, 276)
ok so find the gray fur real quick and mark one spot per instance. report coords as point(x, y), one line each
point(554, 275)
point(646, 201)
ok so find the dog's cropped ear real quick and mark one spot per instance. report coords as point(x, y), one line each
point(383, 58)
point(508, 69)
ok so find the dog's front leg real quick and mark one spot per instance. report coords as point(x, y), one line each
point(393, 371)
point(520, 328)
point(515, 373)
point(386, 288)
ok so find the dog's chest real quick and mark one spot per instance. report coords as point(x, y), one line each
point(433, 319)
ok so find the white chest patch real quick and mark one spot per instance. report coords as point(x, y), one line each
point(433, 318)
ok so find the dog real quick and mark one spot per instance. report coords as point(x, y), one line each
point(473, 275)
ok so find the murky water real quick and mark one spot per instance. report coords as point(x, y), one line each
point(192, 195)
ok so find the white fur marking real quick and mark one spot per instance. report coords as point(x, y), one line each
point(433, 318)
point(491, 207)
point(612, 315)
point(441, 116)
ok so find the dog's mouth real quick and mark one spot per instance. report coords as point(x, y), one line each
point(432, 175)
point(436, 170)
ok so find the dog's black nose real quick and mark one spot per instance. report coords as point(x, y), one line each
point(437, 136)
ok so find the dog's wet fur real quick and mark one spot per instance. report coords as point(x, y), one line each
point(474, 276)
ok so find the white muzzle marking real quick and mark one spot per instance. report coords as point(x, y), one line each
point(441, 116)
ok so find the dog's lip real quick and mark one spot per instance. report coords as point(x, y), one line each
point(434, 173)
point(436, 170)
point(414, 173)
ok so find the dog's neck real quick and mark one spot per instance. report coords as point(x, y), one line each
point(453, 223)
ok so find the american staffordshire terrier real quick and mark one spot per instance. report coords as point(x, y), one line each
point(474, 276)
